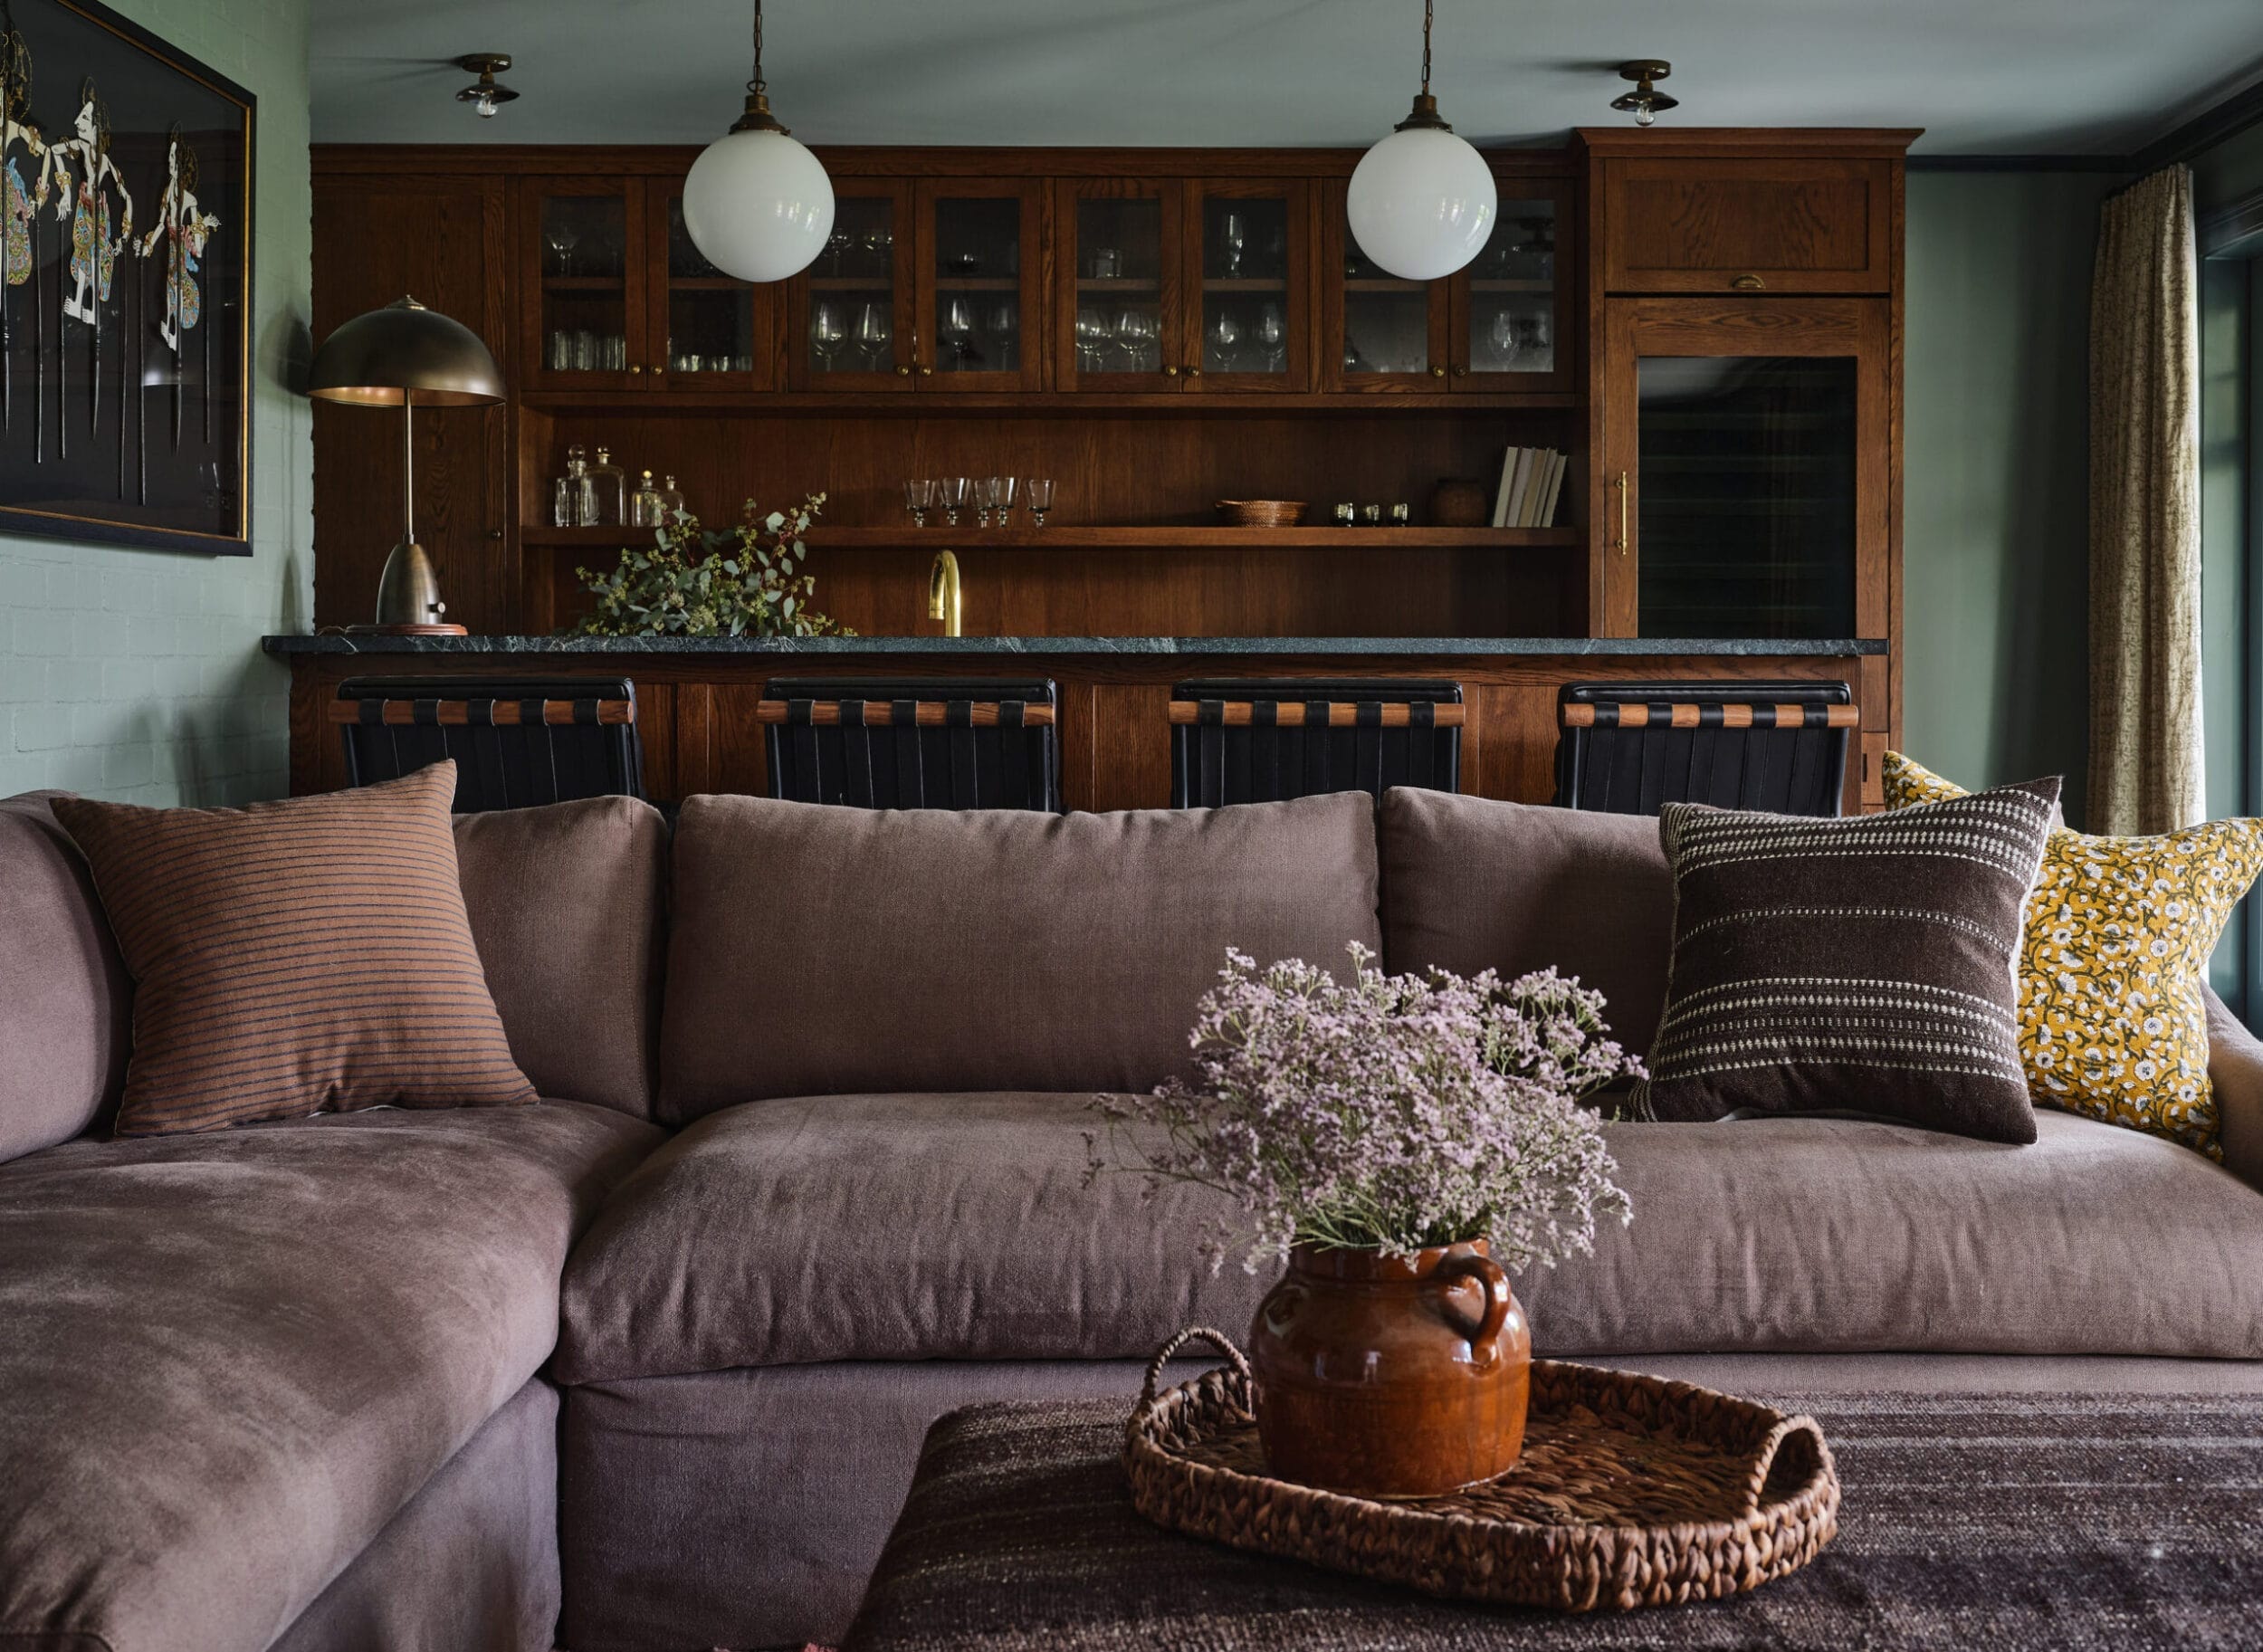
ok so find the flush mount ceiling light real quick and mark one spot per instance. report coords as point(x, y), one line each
point(486, 96)
point(758, 205)
point(1421, 202)
point(1644, 101)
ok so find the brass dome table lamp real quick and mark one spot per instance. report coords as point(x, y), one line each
point(407, 356)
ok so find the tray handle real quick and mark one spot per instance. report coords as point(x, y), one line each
point(1217, 1340)
point(1789, 1456)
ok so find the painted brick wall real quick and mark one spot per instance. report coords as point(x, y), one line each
point(136, 675)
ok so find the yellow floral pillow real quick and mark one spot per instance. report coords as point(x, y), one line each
point(2116, 944)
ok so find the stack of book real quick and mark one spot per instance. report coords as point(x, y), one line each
point(1532, 481)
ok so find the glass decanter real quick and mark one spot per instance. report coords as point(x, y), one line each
point(608, 483)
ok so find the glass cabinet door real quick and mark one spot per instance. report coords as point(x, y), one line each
point(1743, 494)
point(851, 321)
point(1508, 312)
point(713, 327)
point(1118, 323)
point(982, 304)
point(588, 326)
point(1379, 332)
point(1246, 271)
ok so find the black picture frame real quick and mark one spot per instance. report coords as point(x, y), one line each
point(125, 352)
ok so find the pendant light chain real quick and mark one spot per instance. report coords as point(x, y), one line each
point(757, 85)
point(1426, 5)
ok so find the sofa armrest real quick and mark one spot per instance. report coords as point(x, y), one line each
point(2235, 1070)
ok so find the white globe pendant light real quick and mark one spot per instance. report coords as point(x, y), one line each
point(758, 205)
point(1422, 201)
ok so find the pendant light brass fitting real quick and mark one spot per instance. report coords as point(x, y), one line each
point(1425, 114)
point(1644, 101)
point(758, 118)
point(488, 95)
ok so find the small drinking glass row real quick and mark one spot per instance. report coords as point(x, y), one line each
point(991, 496)
point(579, 350)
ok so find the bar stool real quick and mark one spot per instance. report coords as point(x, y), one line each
point(895, 742)
point(1629, 747)
point(517, 742)
point(1260, 739)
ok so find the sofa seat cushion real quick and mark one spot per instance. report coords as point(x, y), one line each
point(230, 1359)
point(1838, 1236)
point(887, 1227)
point(955, 1227)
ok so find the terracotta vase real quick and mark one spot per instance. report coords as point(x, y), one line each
point(1391, 1378)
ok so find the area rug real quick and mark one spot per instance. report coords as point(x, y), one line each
point(2101, 1524)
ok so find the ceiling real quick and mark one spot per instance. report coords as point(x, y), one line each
point(2003, 76)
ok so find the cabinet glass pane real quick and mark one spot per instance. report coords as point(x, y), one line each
point(978, 285)
point(585, 290)
point(1747, 496)
point(1512, 292)
point(853, 290)
point(711, 317)
point(1120, 286)
point(1244, 285)
point(1386, 320)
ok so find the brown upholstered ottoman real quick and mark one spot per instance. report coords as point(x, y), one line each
point(2117, 1522)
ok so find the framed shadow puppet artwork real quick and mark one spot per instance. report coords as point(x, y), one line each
point(125, 285)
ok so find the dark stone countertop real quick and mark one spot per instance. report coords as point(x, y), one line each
point(1183, 646)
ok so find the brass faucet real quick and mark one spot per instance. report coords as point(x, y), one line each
point(942, 592)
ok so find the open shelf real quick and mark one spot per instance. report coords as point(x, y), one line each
point(583, 283)
point(1063, 537)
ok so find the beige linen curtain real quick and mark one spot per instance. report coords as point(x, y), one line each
point(2145, 773)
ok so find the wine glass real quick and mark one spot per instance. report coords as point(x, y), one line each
point(957, 329)
point(562, 241)
point(874, 333)
point(879, 247)
point(955, 492)
point(826, 333)
point(837, 248)
point(1273, 337)
point(1226, 333)
point(919, 498)
point(985, 500)
point(1538, 338)
point(1003, 492)
point(1002, 326)
point(1232, 236)
point(1136, 331)
point(1091, 339)
point(1037, 491)
point(1502, 337)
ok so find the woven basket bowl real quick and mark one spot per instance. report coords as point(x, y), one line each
point(1633, 1491)
point(1261, 512)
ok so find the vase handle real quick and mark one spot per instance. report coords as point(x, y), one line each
point(1471, 1264)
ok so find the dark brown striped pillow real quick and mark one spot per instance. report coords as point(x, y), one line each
point(299, 957)
point(1865, 965)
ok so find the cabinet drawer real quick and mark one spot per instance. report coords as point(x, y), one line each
point(1796, 225)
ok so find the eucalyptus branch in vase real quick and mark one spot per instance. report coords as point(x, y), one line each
point(752, 580)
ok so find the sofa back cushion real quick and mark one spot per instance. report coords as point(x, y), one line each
point(566, 908)
point(66, 1002)
point(822, 950)
point(1472, 884)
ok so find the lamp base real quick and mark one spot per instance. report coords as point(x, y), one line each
point(408, 595)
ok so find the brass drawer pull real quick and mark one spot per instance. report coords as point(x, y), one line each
point(1748, 284)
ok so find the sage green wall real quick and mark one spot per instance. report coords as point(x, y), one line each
point(136, 674)
point(1996, 474)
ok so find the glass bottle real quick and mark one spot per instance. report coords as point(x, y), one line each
point(573, 502)
point(610, 483)
point(643, 509)
point(671, 499)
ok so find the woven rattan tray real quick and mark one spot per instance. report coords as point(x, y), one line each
point(1632, 1491)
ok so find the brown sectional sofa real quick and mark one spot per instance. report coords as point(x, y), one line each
point(459, 1378)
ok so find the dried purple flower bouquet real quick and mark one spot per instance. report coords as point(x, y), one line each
point(1394, 1112)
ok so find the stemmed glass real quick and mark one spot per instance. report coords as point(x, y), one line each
point(837, 248)
point(1273, 335)
point(1038, 494)
point(952, 493)
point(1224, 333)
point(985, 500)
point(1136, 333)
point(879, 248)
point(826, 334)
point(1002, 327)
point(1091, 339)
point(1502, 337)
point(957, 330)
point(919, 498)
point(1000, 494)
point(1232, 236)
point(562, 240)
point(874, 333)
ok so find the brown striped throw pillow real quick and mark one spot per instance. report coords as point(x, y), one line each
point(299, 957)
point(1865, 965)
